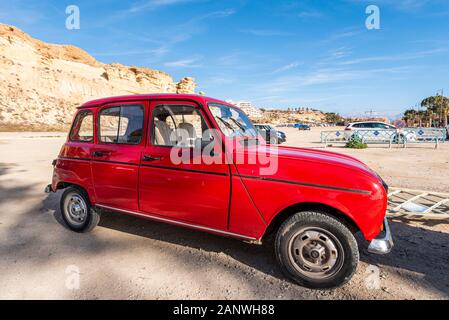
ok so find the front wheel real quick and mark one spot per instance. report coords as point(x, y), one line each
point(77, 211)
point(316, 250)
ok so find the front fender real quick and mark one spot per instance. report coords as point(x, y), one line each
point(366, 210)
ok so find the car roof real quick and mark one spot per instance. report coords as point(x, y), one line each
point(153, 96)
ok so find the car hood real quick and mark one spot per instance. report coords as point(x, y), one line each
point(310, 166)
point(319, 156)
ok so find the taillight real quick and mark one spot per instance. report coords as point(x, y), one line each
point(347, 129)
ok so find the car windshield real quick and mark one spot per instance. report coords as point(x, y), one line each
point(232, 121)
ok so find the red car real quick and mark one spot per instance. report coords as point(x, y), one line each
point(124, 154)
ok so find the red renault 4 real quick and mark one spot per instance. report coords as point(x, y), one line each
point(198, 162)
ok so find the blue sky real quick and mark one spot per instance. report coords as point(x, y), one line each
point(276, 54)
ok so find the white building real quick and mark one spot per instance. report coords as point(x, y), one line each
point(248, 108)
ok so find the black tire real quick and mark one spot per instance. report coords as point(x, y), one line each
point(88, 217)
point(334, 243)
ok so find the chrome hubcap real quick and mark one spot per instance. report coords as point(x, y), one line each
point(316, 253)
point(75, 209)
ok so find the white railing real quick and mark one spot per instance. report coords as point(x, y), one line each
point(386, 136)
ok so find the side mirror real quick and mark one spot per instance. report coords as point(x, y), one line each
point(208, 146)
point(206, 141)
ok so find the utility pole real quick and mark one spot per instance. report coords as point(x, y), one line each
point(441, 114)
point(370, 113)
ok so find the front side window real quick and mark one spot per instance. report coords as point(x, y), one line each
point(121, 124)
point(178, 126)
point(83, 127)
point(232, 122)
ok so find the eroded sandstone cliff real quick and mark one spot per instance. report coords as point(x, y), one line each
point(41, 84)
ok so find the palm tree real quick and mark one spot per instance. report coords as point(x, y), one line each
point(425, 116)
point(409, 117)
point(443, 108)
point(439, 106)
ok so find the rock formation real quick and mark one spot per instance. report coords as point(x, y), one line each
point(41, 84)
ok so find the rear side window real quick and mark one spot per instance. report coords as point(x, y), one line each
point(121, 124)
point(83, 127)
point(364, 125)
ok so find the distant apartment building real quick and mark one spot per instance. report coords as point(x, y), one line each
point(248, 108)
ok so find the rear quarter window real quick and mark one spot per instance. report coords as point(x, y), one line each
point(83, 127)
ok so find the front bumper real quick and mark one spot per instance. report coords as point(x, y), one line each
point(384, 243)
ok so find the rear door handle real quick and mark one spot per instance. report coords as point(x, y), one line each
point(151, 158)
point(101, 153)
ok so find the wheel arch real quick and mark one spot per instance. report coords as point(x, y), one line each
point(64, 185)
point(283, 215)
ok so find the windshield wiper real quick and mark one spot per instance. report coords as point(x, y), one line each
point(227, 124)
point(238, 124)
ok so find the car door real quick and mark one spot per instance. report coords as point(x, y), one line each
point(116, 156)
point(196, 190)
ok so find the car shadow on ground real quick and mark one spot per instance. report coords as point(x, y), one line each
point(260, 257)
point(416, 250)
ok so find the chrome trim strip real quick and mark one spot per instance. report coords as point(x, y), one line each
point(305, 184)
point(76, 159)
point(224, 174)
point(184, 224)
point(186, 170)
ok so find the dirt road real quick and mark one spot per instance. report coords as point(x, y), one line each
point(126, 257)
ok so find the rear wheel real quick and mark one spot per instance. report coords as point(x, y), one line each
point(77, 211)
point(316, 250)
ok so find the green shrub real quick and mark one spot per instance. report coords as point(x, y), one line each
point(356, 143)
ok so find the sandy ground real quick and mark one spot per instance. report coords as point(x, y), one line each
point(126, 257)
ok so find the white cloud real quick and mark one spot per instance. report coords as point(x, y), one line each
point(344, 34)
point(403, 5)
point(287, 67)
point(341, 35)
point(154, 4)
point(158, 52)
point(267, 33)
point(323, 76)
point(215, 14)
point(221, 80)
point(339, 53)
point(310, 14)
point(397, 57)
point(183, 63)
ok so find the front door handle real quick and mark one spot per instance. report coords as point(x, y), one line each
point(151, 158)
